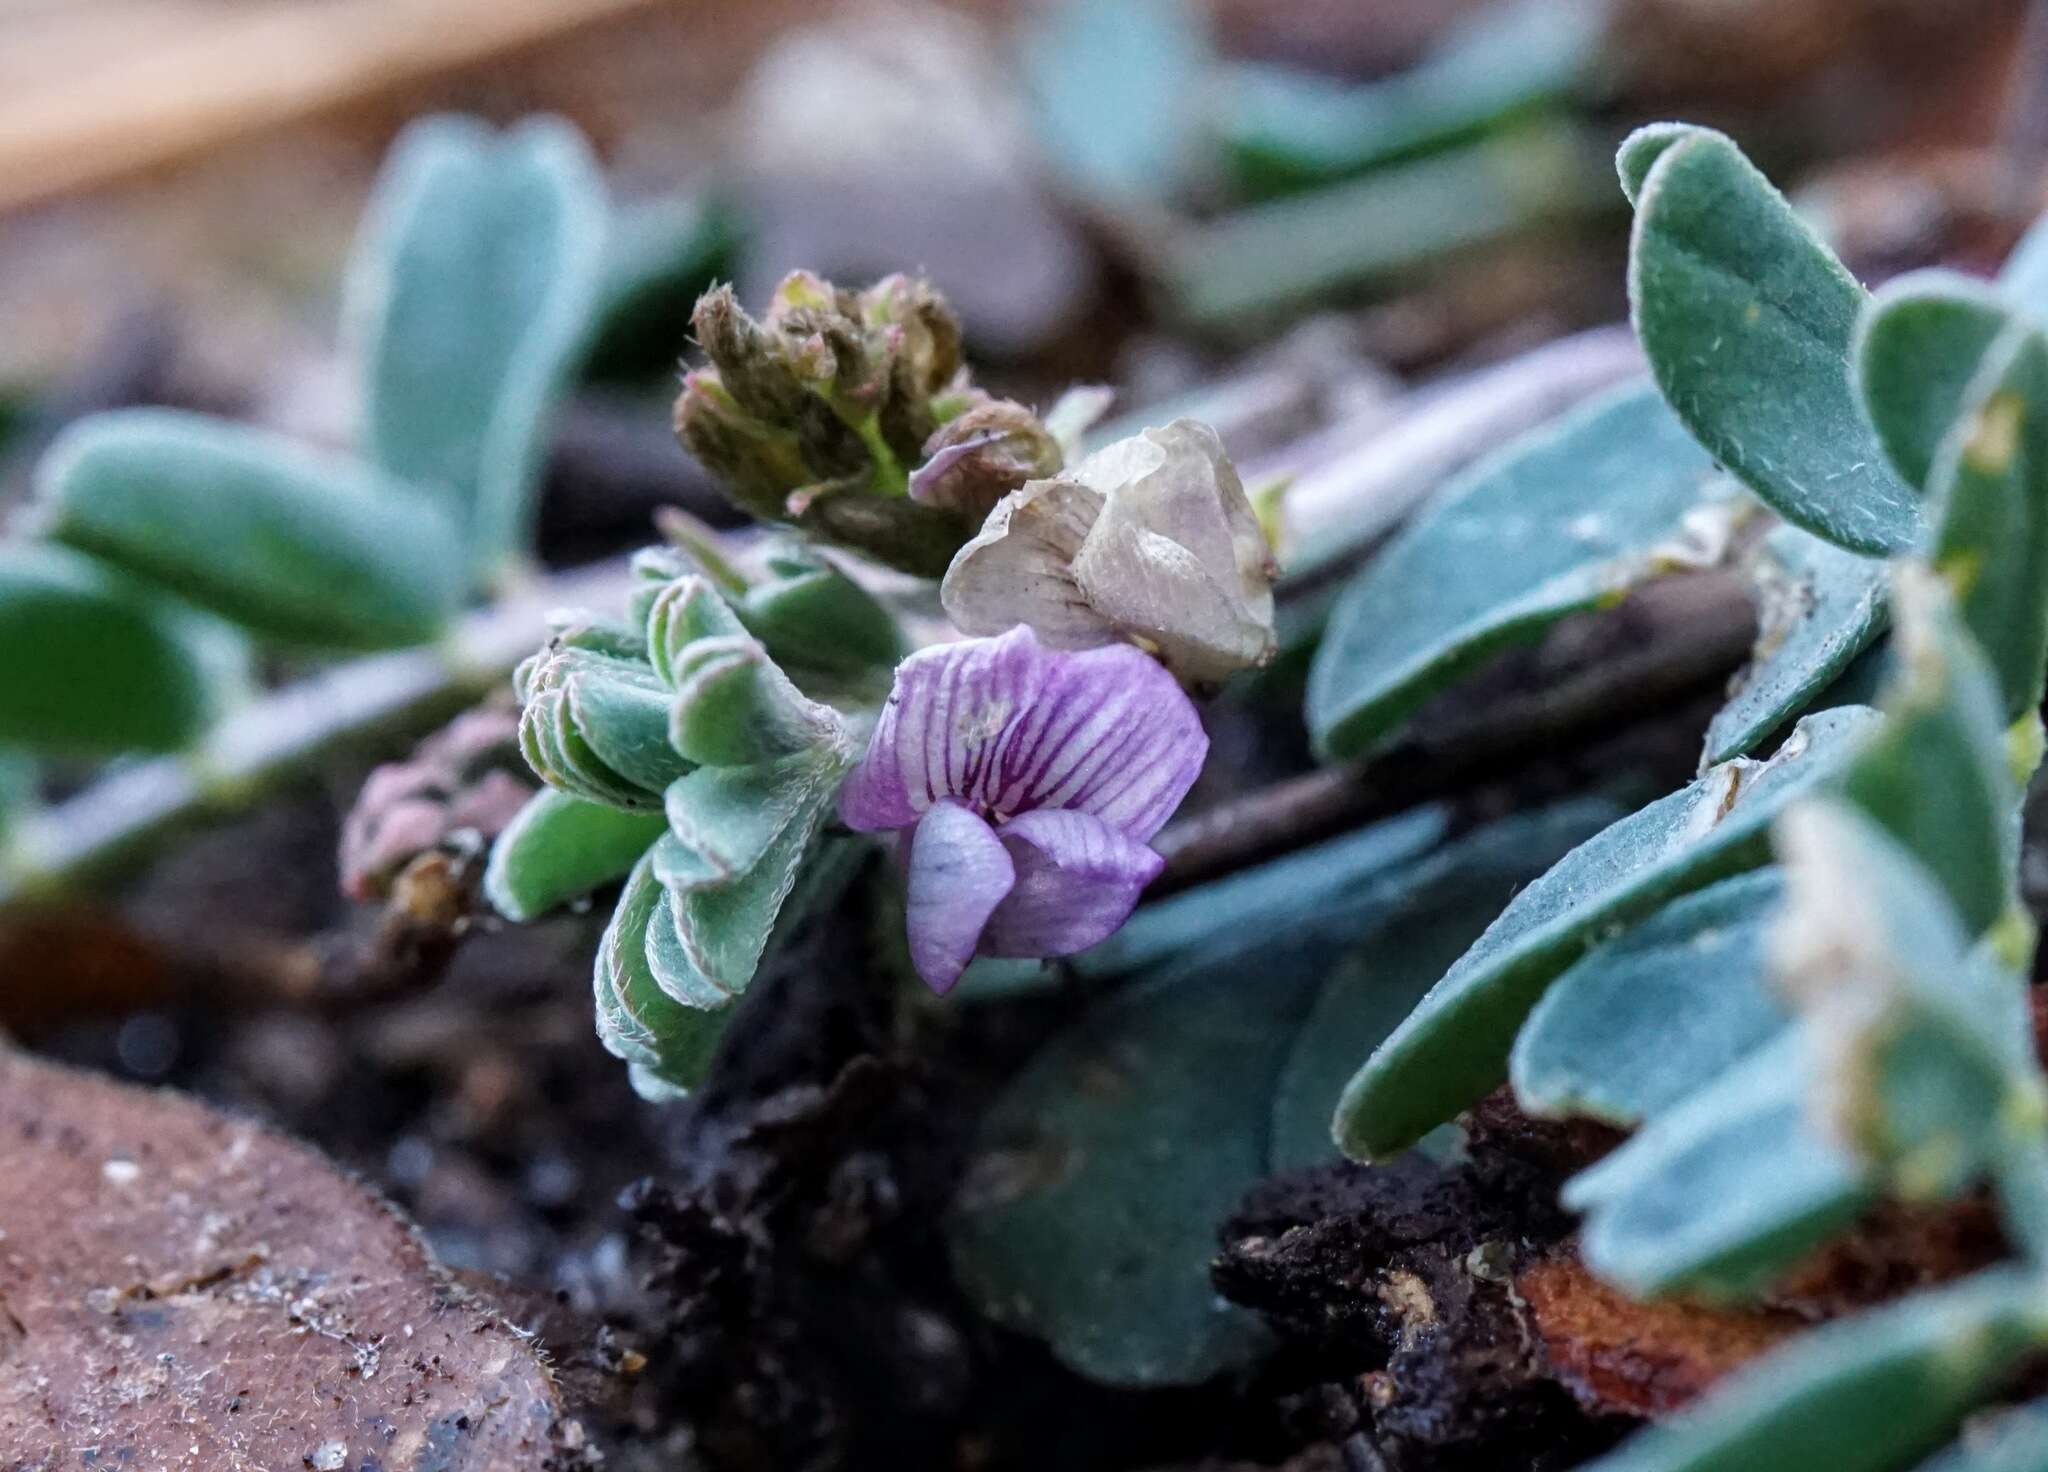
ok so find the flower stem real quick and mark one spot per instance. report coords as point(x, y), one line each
point(285, 733)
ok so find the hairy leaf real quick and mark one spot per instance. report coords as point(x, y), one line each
point(1571, 516)
point(1454, 1047)
point(293, 546)
point(1819, 607)
point(471, 295)
point(1730, 290)
point(1645, 1019)
point(560, 848)
point(669, 1044)
point(1721, 1192)
point(1921, 340)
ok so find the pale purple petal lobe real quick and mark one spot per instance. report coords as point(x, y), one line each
point(960, 873)
point(1077, 880)
point(941, 732)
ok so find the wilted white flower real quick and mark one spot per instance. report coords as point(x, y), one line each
point(1150, 539)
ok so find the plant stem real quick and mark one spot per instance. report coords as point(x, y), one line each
point(286, 732)
point(1706, 626)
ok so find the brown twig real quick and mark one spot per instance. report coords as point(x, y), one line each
point(1701, 629)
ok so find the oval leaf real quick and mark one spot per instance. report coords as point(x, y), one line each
point(1920, 342)
point(1640, 1022)
point(1730, 289)
point(1565, 518)
point(1454, 1047)
point(471, 293)
point(293, 546)
point(559, 848)
point(1722, 1192)
point(92, 665)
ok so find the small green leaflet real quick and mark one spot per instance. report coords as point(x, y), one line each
point(293, 546)
point(559, 848)
point(92, 664)
point(1569, 517)
point(1868, 1393)
point(1819, 607)
point(1454, 1047)
point(471, 295)
point(1643, 1020)
point(1088, 1213)
point(1730, 290)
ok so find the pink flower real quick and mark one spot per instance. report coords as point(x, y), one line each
point(1027, 782)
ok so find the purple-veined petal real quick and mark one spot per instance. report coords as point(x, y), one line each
point(1007, 726)
point(1111, 734)
point(1077, 880)
point(942, 732)
point(959, 872)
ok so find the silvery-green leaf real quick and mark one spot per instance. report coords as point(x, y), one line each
point(470, 299)
point(1289, 128)
point(90, 664)
point(1721, 1192)
point(725, 927)
point(1569, 517)
point(1273, 896)
point(1921, 340)
point(812, 616)
point(291, 545)
point(638, 1021)
point(1643, 1020)
point(733, 706)
point(1819, 607)
point(597, 726)
point(728, 817)
point(1936, 773)
point(1731, 290)
point(1089, 1209)
point(1454, 1047)
point(1401, 932)
point(1867, 1393)
point(560, 848)
point(1988, 512)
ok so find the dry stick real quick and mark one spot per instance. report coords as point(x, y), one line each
point(1706, 635)
point(285, 732)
